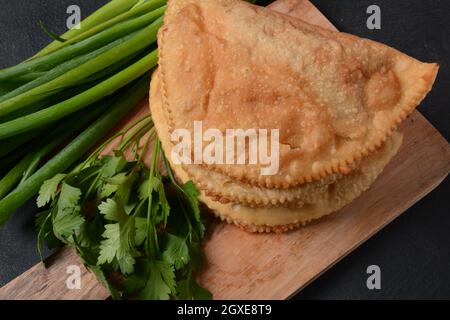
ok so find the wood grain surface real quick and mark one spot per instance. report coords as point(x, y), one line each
point(240, 265)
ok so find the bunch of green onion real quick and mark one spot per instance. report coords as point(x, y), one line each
point(72, 93)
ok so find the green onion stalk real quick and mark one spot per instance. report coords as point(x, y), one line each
point(58, 111)
point(72, 76)
point(75, 149)
point(89, 29)
point(29, 163)
point(64, 87)
point(55, 58)
point(109, 11)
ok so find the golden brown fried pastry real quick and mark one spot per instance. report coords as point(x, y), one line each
point(224, 189)
point(279, 219)
point(338, 195)
point(334, 97)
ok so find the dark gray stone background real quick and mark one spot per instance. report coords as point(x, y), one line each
point(413, 251)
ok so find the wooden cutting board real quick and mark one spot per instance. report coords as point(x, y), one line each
point(240, 265)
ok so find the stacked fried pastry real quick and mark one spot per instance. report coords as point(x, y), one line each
point(336, 99)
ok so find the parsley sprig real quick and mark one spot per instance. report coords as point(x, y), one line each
point(137, 229)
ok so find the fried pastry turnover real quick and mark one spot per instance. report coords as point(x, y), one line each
point(276, 216)
point(336, 99)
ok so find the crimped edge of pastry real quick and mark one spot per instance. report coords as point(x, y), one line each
point(422, 86)
point(281, 219)
point(213, 183)
point(286, 219)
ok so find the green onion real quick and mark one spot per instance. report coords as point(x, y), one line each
point(11, 144)
point(28, 165)
point(27, 110)
point(75, 150)
point(14, 175)
point(135, 11)
point(100, 61)
point(80, 101)
point(13, 158)
point(56, 98)
point(117, 67)
point(105, 13)
point(61, 70)
point(9, 86)
point(88, 45)
point(28, 77)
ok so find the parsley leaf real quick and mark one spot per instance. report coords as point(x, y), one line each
point(160, 283)
point(126, 263)
point(147, 187)
point(189, 289)
point(111, 244)
point(141, 230)
point(192, 193)
point(90, 233)
point(119, 243)
point(107, 190)
point(48, 190)
point(112, 165)
point(65, 224)
point(67, 218)
point(176, 251)
point(112, 210)
point(122, 219)
point(45, 232)
point(126, 186)
point(69, 197)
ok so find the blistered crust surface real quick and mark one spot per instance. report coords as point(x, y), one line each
point(280, 219)
point(224, 189)
point(334, 97)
